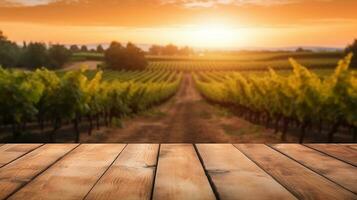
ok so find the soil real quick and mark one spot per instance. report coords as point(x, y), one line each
point(186, 118)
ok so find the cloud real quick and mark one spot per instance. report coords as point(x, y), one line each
point(184, 3)
point(25, 2)
point(213, 3)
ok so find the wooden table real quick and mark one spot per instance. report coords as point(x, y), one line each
point(178, 171)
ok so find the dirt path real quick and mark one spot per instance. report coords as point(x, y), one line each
point(185, 118)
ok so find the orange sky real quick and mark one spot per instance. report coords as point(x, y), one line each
point(200, 23)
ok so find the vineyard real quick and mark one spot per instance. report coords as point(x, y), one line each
point(301, 99)
point(317, 100)
point(235, 61)
point(44, 98)
point(243, 65)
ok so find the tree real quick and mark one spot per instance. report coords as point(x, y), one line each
point(170, 50)
point(9, 52)
point(185, 51)
point(155, 50)
point(129, 57)
point(100, 49)
point(84, 48)
point(74, 48)
point(300, 49)
point(113, 54)
point(59, 55)
point(35, 55)
point(352, 48)
point(2, 36)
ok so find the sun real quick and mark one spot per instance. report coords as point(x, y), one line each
point(213, 35)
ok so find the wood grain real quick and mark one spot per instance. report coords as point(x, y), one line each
point(341, 152)
point(73, 176)
point(180, 174)
point(22, 170)
point(340, 172)
point(10, 152)
point(352, 146)
point(131, 176)
point(229, 168)
point(301, 181)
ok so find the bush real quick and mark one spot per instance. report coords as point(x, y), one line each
point(118, 57)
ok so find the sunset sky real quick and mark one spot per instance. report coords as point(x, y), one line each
point(198, 23)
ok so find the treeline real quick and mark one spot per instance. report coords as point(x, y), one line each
point(302, 100)
point(84, 49)
point(35, 55)
point(32, 55)
point(170, 50)
point(44, 99)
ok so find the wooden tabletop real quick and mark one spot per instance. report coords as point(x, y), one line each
point(178, 171)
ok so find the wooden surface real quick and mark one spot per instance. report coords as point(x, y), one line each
point(131, 176)
point(178, 171)
point(229, 168)
point(342, 152)
point(10, 152)
point(180, 174)
point(341, 173)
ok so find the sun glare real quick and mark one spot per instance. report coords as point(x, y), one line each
point(213, 35)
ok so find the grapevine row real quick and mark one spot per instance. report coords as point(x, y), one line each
point(302, 98)
point(44, 97)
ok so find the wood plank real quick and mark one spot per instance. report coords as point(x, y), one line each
point(338, 151)
point(228, 168)
point(23, 170)
point(353, 146)
point(10, 152)
point(339, 172)
point(73, 176)
point(301, 181)
point(180, 174)
point(131, 176)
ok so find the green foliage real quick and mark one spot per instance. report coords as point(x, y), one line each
point(302, 95)
point(33, 55)
point(100, 49)
point(59, 55)
point(352, 49)
point(84, 48)
point(74, 48)
point(130, 57)
point(19, 93)
point(184, 64)
point(9, 52)
point(42, 95)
